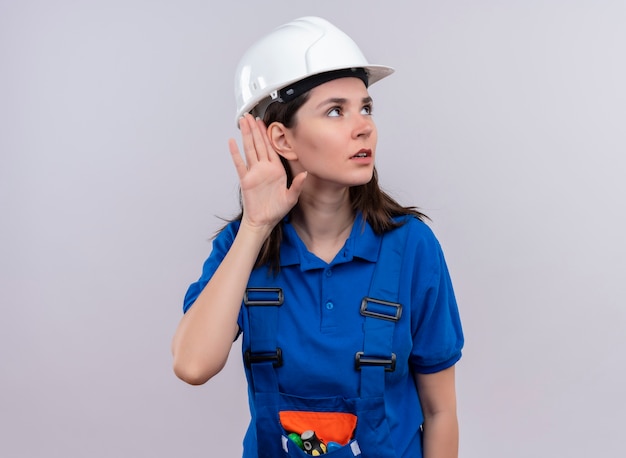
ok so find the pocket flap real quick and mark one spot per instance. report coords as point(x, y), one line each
point(329, 426)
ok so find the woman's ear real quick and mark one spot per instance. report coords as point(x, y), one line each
point(279, 138)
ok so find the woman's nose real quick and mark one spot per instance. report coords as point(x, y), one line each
point(364, 126)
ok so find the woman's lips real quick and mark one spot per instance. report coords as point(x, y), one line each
point(363, 153)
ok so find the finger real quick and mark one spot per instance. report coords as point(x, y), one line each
point(271, 154)
point(296, 186)
point(260, 144)
point(240, 165)
point(247, 139)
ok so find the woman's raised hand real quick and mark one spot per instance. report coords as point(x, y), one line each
point(263, 181)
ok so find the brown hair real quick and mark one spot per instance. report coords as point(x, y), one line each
point(377, 207)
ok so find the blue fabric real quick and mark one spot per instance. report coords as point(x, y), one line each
point(320, 326)
point(381, 314)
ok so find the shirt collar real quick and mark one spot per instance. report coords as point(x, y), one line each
point(363, 243)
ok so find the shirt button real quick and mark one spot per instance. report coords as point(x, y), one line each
point(330, 305)
point(329, 272)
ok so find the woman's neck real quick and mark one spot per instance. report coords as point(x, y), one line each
point(324, 223)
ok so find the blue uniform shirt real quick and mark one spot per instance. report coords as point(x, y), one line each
point(320, 326)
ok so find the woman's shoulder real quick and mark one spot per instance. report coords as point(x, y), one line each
point(415, 227)
point(419, 238)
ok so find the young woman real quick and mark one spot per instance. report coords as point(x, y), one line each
point(342, 296)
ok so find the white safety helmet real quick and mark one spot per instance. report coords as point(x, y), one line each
point(305, 49)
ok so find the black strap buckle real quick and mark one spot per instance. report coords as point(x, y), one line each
point(263, 296)
point(276, 358)
point(381, 309)
point(361, 360)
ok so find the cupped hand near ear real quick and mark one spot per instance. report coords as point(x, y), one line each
point(263, 181)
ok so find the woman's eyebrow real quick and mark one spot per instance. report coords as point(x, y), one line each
point(343, 101)
point(333, 101)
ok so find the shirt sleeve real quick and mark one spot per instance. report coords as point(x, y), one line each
point(221, 245)
point(436, 327)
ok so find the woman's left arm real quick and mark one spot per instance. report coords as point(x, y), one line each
point(437, 394)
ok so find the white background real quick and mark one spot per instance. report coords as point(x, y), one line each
point(505, 122)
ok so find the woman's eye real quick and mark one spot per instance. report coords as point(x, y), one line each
point(336, 111)
point(366, 110)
